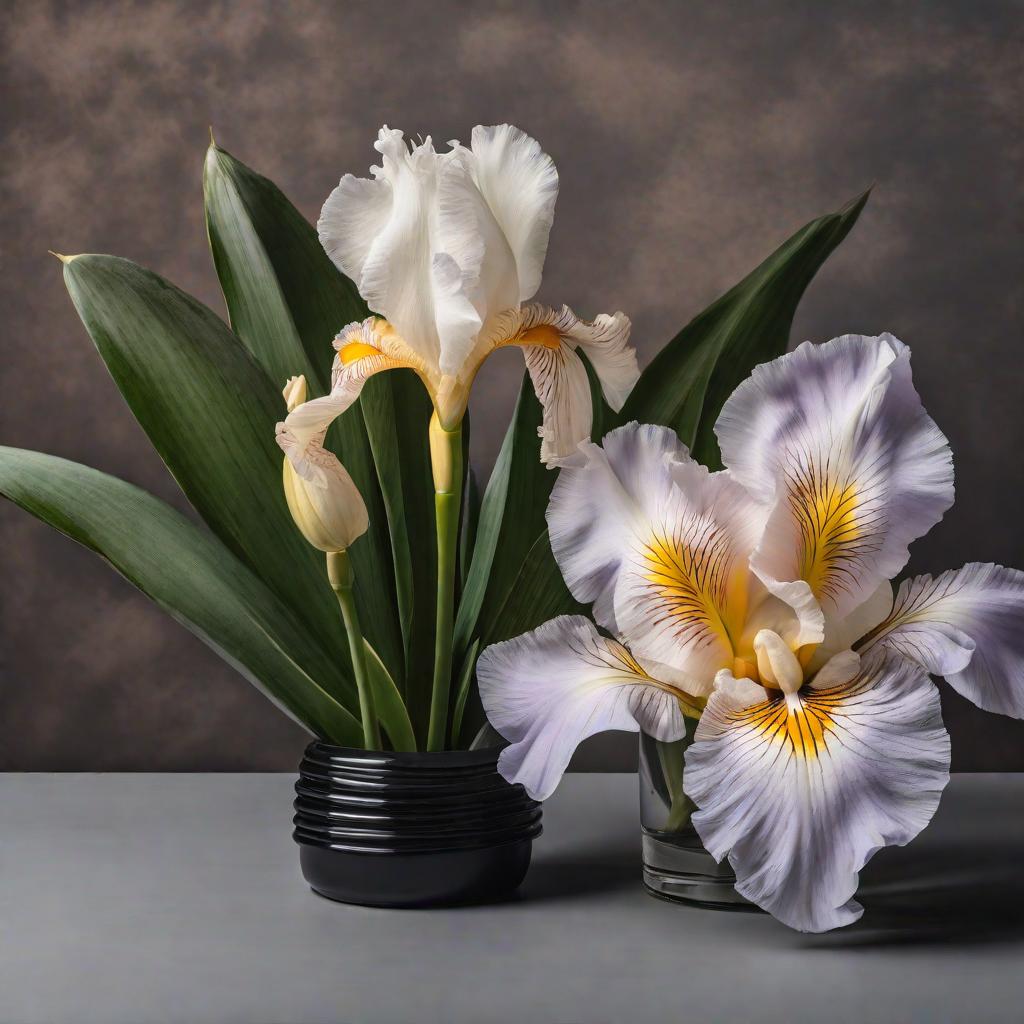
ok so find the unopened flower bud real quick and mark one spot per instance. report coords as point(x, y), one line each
point(322, 498)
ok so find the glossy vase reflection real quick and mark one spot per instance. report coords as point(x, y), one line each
point(676, 865)
point(393, 829)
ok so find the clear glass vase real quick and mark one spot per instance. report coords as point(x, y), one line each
point(676, 865)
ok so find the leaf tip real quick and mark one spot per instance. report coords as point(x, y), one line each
point(61, 256)
point(213, 141)
point(858, 203)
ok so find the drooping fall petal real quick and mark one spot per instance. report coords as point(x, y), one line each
point(800, 791)
point(550, 339)
point(548, 690)
point(362, 349)
point(967, 625)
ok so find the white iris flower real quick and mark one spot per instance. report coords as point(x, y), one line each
point(447, 248)
point(758, 599)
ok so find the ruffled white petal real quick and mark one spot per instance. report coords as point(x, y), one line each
point(967, 625)
point(834, 437)
point(603, 498)
point(474, 268)
point(444, 244)
point(355, 213)
point(377, 231)
point(520, 183)
point(800, 792)
point(548, 690)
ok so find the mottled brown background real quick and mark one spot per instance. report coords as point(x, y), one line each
point(691, 138)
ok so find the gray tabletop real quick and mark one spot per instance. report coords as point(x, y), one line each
point(177, 898)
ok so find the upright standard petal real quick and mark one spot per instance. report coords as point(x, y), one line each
point(682, 597)
point(799, 791)
point(835, 439)
point(967, 625)
point(378, 232)
point(520, 183)
point(474, 268)
point(443, 244)
point(604, 497)
point(384, 234)
point(548, 690)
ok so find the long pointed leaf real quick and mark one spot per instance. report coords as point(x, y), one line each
point(687, 383)
point(286, 302)
point(193, 577)
point(466, 675)
point(397, 411)
point(511, 518)
point(388, 701)
point(470, 520)
point(210, 412)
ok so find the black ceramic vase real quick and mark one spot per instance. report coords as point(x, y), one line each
point(387, 829)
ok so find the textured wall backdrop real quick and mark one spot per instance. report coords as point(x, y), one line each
point(691, 139)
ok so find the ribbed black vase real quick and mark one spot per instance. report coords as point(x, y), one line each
point(388, 829)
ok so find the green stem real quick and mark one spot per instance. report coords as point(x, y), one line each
point(339, 571)
point(679, 813)
point(670, 758)
point(446, 461)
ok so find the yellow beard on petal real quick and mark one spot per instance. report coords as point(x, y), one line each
point(356, 350)
point(827, 515)
point(693, 586)
point(543, 334)
point(803, 725)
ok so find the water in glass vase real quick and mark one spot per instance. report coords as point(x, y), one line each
point(676, 865)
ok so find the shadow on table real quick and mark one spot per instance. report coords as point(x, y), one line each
point(955, 893)
point(609, 865)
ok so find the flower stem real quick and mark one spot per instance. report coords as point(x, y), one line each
point(446, 462)
point(671, 760)
point(339, 571)
point(679, 813)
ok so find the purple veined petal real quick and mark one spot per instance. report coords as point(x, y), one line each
point(799, 793)
point(967, 625)
point(548, 690)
